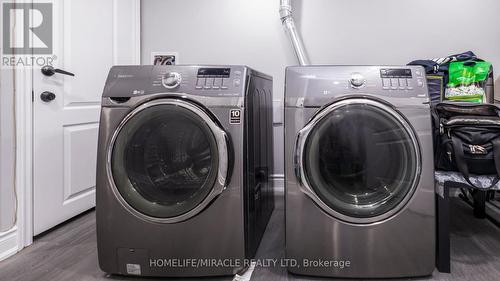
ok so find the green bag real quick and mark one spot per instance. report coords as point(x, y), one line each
point(467, 81)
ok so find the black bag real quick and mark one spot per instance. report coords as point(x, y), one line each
point(468, 140)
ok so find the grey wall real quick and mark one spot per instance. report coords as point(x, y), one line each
point(7, 154)
point(334, 31)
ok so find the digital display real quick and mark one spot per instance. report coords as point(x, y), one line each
point(395, 73)
point(214, 72)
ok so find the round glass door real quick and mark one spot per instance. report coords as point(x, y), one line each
point(164, 160)
point(361, 159)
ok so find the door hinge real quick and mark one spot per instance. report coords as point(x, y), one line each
point(32, 96)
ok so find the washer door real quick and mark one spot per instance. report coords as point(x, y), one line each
point(359, 160)
point(168, 160)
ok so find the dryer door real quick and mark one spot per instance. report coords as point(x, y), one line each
point(168, 160)
point(359, 160)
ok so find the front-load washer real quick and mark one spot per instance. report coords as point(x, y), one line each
point(359, 172)
point(184, 164)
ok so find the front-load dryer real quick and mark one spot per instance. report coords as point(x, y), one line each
point(183, 175)
point(359, 172)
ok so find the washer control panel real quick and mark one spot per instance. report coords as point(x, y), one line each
point(213, 78)
point(357, 80)
point(171, 80)
point(200, 80)
point(401, 79)
point(197, 80)
point(217, 79)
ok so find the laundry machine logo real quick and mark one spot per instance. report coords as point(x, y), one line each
point(138, 92)
point(27, 34)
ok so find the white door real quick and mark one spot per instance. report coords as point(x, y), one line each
point(89, 37)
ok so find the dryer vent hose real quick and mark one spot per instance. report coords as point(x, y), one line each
point(290, 28)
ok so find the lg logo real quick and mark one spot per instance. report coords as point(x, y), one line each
point(27, 28)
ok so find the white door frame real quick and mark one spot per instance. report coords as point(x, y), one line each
point(24, 130)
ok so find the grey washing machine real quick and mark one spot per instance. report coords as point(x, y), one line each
point(183, 174)
point(359, 172)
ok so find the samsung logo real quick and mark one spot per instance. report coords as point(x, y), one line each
point(124, 76)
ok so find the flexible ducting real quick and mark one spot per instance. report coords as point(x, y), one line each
point(289, 25)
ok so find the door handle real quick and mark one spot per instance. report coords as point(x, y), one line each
point(50, 70)
point(47, 96)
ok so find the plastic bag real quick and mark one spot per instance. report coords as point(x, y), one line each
point(467, 81)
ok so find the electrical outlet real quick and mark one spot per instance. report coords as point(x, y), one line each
point(164, 58)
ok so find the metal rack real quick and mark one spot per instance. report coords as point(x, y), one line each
point(478, 203)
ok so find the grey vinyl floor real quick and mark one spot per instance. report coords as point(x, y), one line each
point(69, 252)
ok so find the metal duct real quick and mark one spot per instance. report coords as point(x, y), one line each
point(289, 25)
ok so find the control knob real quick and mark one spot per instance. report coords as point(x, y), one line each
point(357, 80)
point(171, 80)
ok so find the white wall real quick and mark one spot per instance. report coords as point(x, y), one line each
point(335, 32)
point(7, 153)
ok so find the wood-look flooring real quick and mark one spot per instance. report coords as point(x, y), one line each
point(69, 252)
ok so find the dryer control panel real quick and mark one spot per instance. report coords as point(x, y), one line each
point(313, 86)
point(401, 79)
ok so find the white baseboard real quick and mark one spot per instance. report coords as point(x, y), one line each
point(278, 183)
point(8, 243)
